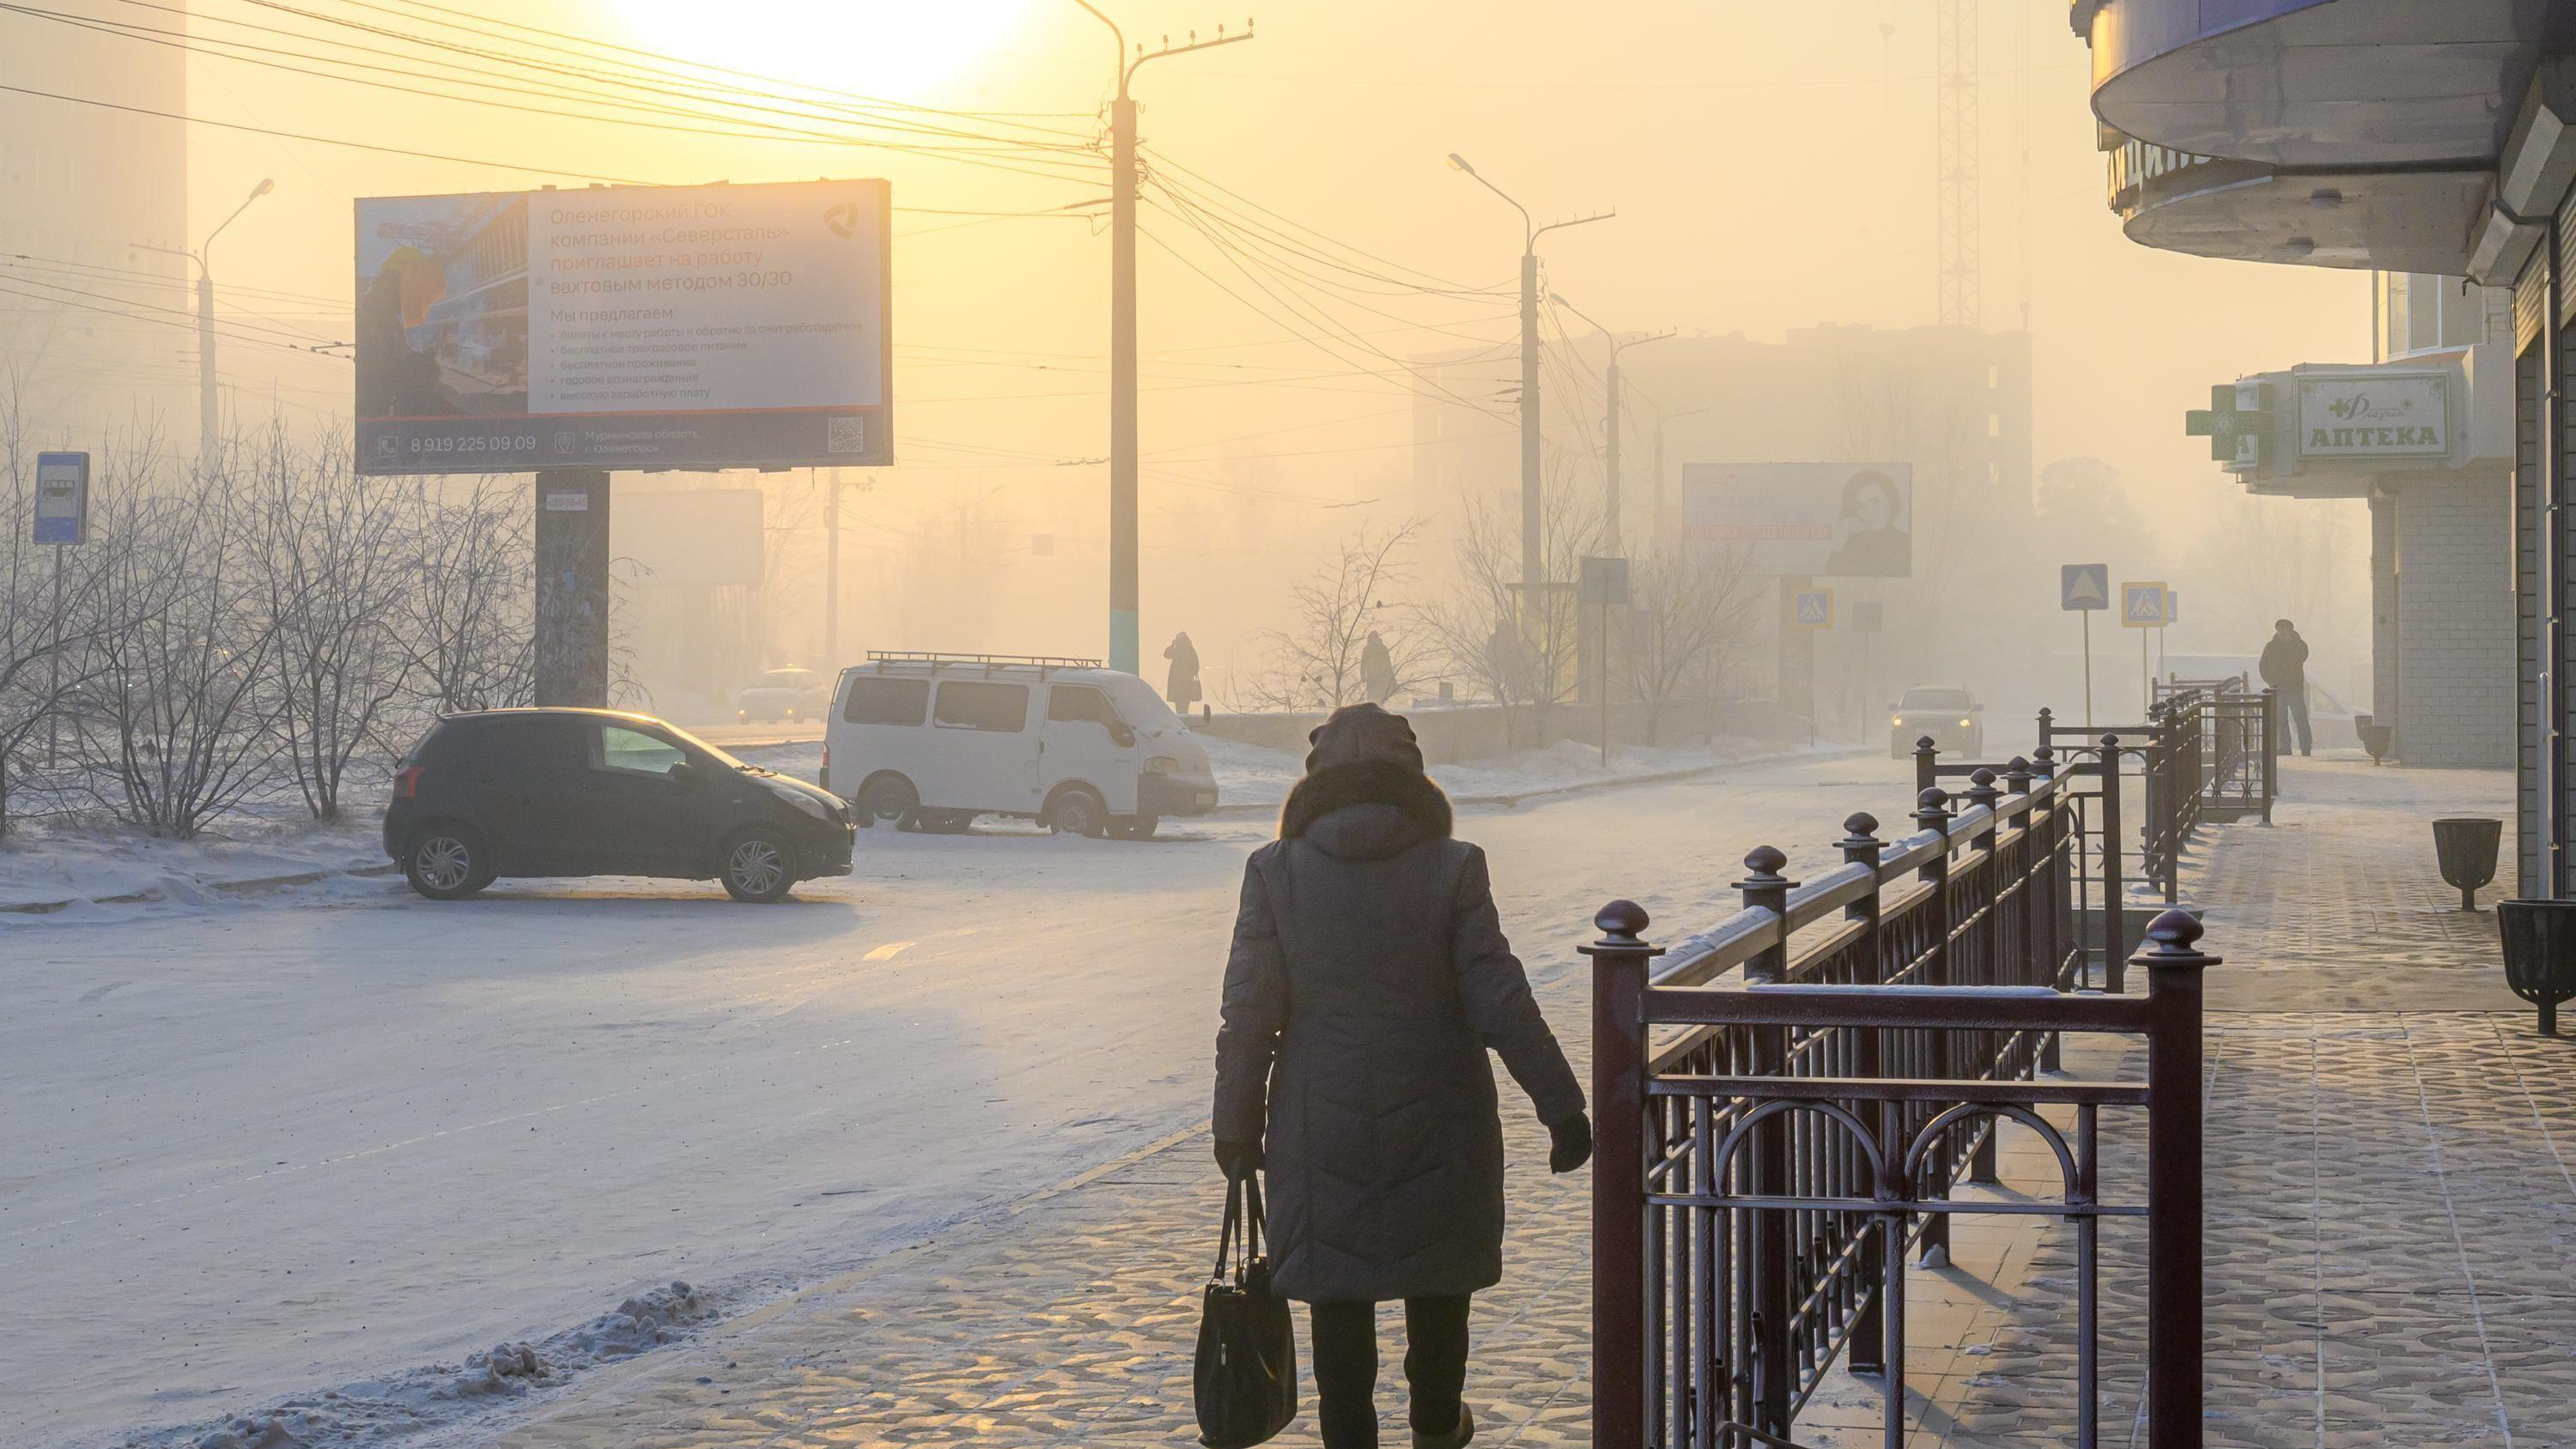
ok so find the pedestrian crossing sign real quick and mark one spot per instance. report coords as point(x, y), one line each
point(1815, 608)
point(2142, 605)
point(2082, 587)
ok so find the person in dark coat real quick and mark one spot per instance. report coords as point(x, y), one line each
point(1368, 978)
point(1377, 669)
point(2284, 666)
point(1181, 685)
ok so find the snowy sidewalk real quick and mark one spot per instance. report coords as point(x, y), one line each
point(2392, 1229)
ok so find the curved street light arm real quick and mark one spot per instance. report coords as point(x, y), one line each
point(1118, 39)
point(1571, 221)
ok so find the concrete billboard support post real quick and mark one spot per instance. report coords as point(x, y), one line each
point(572, 587)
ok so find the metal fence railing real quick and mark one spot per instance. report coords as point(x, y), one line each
point(1788, 1099)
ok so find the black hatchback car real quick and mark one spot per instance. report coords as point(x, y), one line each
point(556, 792)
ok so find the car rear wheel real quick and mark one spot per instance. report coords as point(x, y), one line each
point(1133, 827)
point(889, 797)
point(1077, 811)
point(447, 863)
point(759, 867)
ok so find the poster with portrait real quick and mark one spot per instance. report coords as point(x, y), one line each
point(1805, 520)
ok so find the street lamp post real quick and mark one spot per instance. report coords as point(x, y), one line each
point(1665, 420)
point(1610, 427)
point(1532, 567)
point(209, 408)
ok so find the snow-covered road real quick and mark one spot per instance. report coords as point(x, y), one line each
point(257, 1149)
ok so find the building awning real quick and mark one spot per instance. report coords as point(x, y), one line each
point(2321, 83)
point(2396, 221)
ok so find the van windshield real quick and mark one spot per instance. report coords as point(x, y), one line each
point(1140, 706)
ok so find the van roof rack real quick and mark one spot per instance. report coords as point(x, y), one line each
point(934, 658)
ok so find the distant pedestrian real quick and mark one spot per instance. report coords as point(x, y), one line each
point(1377, 669)
point(2285, 667)
point(1368, 978)
point(1181, 686)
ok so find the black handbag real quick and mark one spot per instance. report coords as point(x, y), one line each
point(1247, 1363)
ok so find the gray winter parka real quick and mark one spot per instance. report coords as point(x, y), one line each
point(1369, 975)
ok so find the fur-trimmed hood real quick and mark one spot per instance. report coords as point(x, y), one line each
point(1390, 808)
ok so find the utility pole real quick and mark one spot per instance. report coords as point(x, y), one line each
point(1610, 427)
point(1123, 606)
point(1533, 567)
point(209, 405)
point(1664, 420)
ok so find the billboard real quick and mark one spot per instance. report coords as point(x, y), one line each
point(701, 536)
point(1805, 520)
point(625, 327)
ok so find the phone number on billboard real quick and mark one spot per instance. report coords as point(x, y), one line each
point(496, 443)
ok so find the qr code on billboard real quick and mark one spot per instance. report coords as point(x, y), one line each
point(847, 435)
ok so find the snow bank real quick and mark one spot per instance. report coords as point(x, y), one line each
point(50, 863)
point(446, 1395)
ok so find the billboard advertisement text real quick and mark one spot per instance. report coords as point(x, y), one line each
point(624, 327)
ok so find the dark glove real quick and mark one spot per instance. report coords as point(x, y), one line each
point(1243, 1159)
point(1569, 1145)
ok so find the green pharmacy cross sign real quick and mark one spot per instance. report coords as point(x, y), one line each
point(2237, 422)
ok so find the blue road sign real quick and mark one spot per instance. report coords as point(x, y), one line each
point(2083, 586)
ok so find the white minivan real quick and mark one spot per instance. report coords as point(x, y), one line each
point(930, 741)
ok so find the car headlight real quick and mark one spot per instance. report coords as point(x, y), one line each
point(1963, 724)
point(806, 803)
point(1897, 720)
point(1162, 765)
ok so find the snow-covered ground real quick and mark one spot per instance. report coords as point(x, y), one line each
point(259, 1150)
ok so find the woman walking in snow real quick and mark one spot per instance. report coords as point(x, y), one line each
point(1368, 977)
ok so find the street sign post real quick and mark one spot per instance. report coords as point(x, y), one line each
point(1605, 587)
point(2081, 589)
point(2142, 607)
point(62, 521)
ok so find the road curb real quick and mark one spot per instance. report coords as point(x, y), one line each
point(229, 887)
point(1584, 787)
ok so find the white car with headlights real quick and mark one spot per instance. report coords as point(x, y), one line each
point(781, 694)
point(930, 741)
point(1946, 713)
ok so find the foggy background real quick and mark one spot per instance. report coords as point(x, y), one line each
point(1773, 175)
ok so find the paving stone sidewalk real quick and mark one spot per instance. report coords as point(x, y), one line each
point(2392, 1229)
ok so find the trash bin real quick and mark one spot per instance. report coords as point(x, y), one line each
point(2465, 845)
point(2539, 954)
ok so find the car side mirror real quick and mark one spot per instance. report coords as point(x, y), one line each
point(1977, 708)
point(683, 773)
point(1892, 704)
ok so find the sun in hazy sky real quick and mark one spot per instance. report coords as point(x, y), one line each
point(900, 49)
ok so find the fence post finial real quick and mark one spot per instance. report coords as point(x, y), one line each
point(1765, 889)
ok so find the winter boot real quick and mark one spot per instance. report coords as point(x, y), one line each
point(1454, 1439)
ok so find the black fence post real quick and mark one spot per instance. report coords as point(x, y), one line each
point(1932, 813)
point(1860, 846)
point(1985, 965)
point(2174, 1308)
point(2115, 923)
point(1619, 961)
point(2272, 749)
point(1927, 758)
point(1775, 1249)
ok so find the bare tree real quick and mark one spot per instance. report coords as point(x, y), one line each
point(329, 552)
point(49, 610)
point(464, 607)
point(1691, 611)
point(178, 717)
point(1316, 662)
point(1519, 645)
